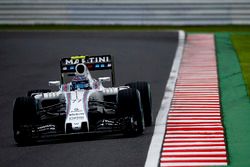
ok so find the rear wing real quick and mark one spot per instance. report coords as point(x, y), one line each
point(93, 63)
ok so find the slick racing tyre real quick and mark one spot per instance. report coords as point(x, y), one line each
point(24, 115)
point(145, 93)
point(129, 106)
point(36, 91)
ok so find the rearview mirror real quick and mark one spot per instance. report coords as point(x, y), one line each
point(104, 79)
point(54, 83)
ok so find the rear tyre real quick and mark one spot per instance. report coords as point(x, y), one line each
point(129, 106)
point(24, 116)
point(36, 91)
point(146, 100)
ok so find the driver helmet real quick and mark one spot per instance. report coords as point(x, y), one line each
point(80, 82)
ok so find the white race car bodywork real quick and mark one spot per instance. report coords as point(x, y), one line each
point(82, 104)
point(76, 101)
point(77, 108)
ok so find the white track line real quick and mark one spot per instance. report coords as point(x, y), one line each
point(194, 148)
point(193, 127)
point(192, 114)
point(200, 121)
point(193, 118)
point(194, 131)
point(193, 143)
point(192, 109)
point(154, 151)
point(195, 153)
point(194, 136)
point(209, 140)
point(194, 164)
point(191, 158)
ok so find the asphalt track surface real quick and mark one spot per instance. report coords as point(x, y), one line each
point(29, 59)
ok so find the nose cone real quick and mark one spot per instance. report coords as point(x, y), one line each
point(77, 109)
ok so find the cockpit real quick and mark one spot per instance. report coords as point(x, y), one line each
point(80, 82)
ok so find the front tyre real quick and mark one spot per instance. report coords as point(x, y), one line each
point(146, 100)
point(24, 115)
point(129, 106)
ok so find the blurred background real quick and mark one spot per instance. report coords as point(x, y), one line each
point(129, 12)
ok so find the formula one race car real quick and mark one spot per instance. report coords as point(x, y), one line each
point(82, 104)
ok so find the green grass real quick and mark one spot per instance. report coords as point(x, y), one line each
point(234, 102)
point(242, 46)
point(224, 28)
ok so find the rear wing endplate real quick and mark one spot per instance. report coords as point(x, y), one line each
point(93, 63)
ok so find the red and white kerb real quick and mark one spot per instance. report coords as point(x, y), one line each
point(194, 132)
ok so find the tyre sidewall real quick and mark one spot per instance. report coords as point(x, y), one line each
point(24, 117)
point(146, 100)
point(130, 108)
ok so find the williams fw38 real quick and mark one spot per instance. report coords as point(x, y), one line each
point(82, 104)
